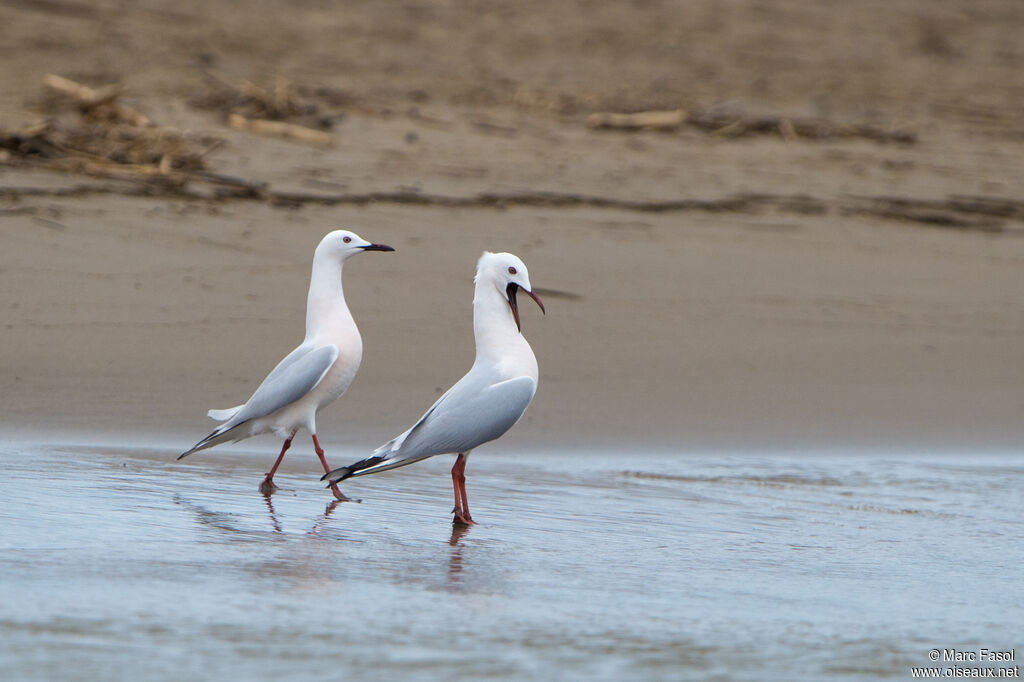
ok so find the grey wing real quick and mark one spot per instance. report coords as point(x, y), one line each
point(469, 417)
point(471, 413)
point(294, 377)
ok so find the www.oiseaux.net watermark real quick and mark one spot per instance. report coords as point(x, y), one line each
point(969, 664)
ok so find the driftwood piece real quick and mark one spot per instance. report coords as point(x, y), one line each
point(733, 124)
point(290, 131)
point(99, 102)
point(101, 138)
point(83, 94)
point(649, 120)
point(727, 124)
point(101, 168)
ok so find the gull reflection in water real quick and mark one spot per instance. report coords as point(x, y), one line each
point(321, 521)
point(270, 510)
point(318, 525)
point(459, 531)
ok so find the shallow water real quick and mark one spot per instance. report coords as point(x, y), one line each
point(120, 563)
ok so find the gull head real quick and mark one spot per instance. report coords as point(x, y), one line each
point(508, 274)
point(342, 244)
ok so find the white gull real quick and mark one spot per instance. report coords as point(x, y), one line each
point(311, 376)
point(486, 402)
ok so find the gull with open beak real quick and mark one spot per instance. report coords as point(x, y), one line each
point(486, 402)
point(311, 376)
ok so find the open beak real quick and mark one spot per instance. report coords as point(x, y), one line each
point(377, 247)
point(511, 290)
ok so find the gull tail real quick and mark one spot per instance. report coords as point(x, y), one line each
point(224, 415)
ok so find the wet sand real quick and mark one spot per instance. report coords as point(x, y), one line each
point(687, 331)
point(597, 565)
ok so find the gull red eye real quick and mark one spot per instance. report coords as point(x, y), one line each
point(346, 239)
point(511, 270)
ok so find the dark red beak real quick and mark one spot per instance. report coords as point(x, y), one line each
point(511, 290)
point(378, 247)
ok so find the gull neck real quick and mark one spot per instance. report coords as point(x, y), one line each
point(325, 305)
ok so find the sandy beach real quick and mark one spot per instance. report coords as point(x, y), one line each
point(806, 292)
point(690, 330)
point(819, 256)
point(813, 292)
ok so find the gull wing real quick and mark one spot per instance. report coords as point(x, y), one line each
point(468, 415)
point(295, 376)
point(464, 419)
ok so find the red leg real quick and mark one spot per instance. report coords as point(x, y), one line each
point(462, 490)
point(461, 499)
point(323, 460)
point(267, 486)
point(457, 509)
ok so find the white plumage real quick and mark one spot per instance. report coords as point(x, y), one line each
point(488, 400)
point(314, 374)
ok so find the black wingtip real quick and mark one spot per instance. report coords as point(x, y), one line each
point(339, 474)
point(196, 446)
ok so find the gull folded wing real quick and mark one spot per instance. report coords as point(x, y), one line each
point(288, 382)
point(294, 377)
point(467, 416)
